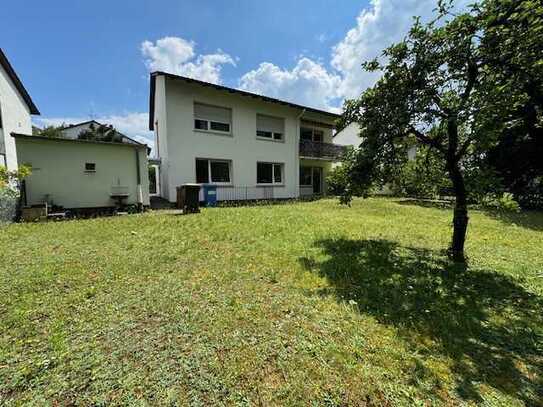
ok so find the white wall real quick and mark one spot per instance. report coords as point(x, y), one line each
point(15, 116)
point(58, 170)
point(349, 136)
point(184, 144)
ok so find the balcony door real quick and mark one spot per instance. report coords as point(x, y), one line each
point(311, 177)
point(317, 180)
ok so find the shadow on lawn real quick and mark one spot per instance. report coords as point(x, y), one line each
point(490, 326)
point(528, 219)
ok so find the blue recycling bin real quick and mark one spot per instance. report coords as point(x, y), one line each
point(210, 195)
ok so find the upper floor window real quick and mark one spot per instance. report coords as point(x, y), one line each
point(311, 134)
point(212, 118)
point(269, 173)
point(213, 171)
point(269, 127)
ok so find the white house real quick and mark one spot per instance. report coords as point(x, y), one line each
point(16, 106)
point(250, 146)
point(350, 136)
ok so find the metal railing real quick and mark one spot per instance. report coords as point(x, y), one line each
point(243, 193)
point(316, 149)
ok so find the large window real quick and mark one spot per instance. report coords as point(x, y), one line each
point(269, 173)
point(311, 134)
point(213, 171)
point(212, 118)
point(269, 127)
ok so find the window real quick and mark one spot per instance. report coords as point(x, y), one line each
point(269, 173)
point(311, 134)
point(212, 171)
point(212, 118)
point(269, 127)
point(90, 167)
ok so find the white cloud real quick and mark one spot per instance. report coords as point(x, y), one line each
point(308, 83)
point(134, 125)
point(383, 23)
point(176, 55)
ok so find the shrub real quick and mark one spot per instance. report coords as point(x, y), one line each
point(505, 202)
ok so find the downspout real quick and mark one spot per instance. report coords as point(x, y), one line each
point(138, 181)
point(298, 153)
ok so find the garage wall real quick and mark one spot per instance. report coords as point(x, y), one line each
point(58, 170)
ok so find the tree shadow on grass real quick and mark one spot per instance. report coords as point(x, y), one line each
point(528, 219)
point(486, 323)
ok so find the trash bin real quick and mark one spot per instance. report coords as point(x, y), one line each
point(188, 197)
point(210, 195)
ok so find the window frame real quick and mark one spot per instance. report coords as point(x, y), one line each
point(208, 122)
point(313, 130)
point(209, 174)
point(273, 183)
point(272, 133)
point(93, 164)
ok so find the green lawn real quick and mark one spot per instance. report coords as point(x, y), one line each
point(294, 304)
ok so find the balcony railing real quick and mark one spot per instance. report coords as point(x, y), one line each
point(315, 149)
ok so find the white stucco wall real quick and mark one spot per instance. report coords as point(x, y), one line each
point(349, 136)
point(58, 170)
point(180, 144)
point(15, 117)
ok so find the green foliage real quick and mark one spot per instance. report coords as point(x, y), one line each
point(102, 132)
point(51, 131)
point(504, 202)
point(8, 178)
point(274, 305)
point(422, 177)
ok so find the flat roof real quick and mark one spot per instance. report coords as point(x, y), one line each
point(225, 89)
point(71, 140)
point(17, 82)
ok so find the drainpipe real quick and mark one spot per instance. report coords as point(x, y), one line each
point(298, 152)
point(138, 181)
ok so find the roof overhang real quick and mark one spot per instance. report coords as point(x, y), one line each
point(152, 88)
point(78, 141)
point(17, 83)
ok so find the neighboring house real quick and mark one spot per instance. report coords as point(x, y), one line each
point(16, 106)
point(75, 173)
point(73, 131)
point(350, 136)
point(249, 146)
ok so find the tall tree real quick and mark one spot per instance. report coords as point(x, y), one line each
point(438, 88)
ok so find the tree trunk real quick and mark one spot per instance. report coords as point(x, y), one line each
point(460, 218)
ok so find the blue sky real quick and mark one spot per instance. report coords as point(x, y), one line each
point(92, 58)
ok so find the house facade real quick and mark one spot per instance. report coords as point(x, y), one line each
point(16, 106)
point(249, 146)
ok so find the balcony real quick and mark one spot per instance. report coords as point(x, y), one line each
point(323, 151)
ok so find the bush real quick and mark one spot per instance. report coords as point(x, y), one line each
point(422, 177)
point(337, 180)
point(506, 202)
point(8, 204)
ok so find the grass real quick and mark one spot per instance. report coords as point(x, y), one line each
point(298, 304)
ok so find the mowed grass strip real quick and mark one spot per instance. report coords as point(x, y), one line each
point(295, 304)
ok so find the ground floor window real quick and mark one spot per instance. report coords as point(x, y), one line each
point(269, 173)
point(213, 171)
